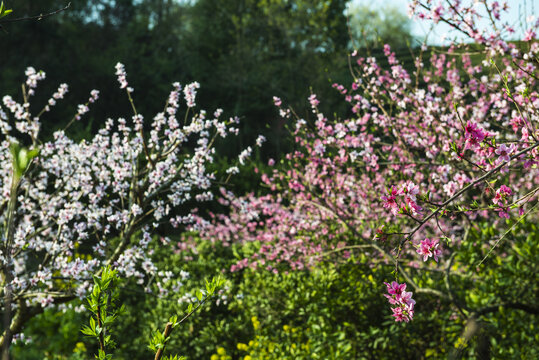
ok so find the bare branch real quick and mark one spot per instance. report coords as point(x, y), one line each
point(36, 17)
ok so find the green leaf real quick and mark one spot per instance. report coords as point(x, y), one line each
point(87, 331)
point(4, 11)
point(174, 321)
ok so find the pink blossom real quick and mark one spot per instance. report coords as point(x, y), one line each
point(364, 169)
point(412, 205)
point(503, 151)
point(529, 35)
point(404, 312)
point(410, 189)
point(429, 248)
point(390, 202)
point(474, 135)
point(501, 194)
point(403, 309)
point(395, 288)
point(437, 14)
point(503, 212)
point(313, 100)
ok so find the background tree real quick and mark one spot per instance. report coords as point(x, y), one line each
point(372, 27)
point(242, 51)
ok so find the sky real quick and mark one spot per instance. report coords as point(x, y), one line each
point(436, 37)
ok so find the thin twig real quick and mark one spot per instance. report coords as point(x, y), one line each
point(463, 190)
point(507, 232)
point(36, 17)
point(454, 197)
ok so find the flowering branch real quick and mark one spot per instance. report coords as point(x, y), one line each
point(456, 196)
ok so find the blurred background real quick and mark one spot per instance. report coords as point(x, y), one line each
point(242, 52)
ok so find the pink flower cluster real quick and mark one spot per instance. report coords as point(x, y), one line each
point(474, 136)
point(429, 248)
point(505, 152)
point(408, 205)
point(401, 300)
point(501, 201)
point(441, 129)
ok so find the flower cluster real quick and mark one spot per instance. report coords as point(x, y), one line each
point(474, 136)
point(190, 92)
point(504, 152)
point(32, 78)
point(416, 159)
point(408, 205)
point(501, 201)
point(121, 74)
point(429, 248)
point(79, 205)
point(401, 300)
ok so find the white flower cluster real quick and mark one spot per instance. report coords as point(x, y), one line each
point(82, 205)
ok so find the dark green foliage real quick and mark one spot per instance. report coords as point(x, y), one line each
point(243, 52)
point(332, 311)
point(53, 335)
